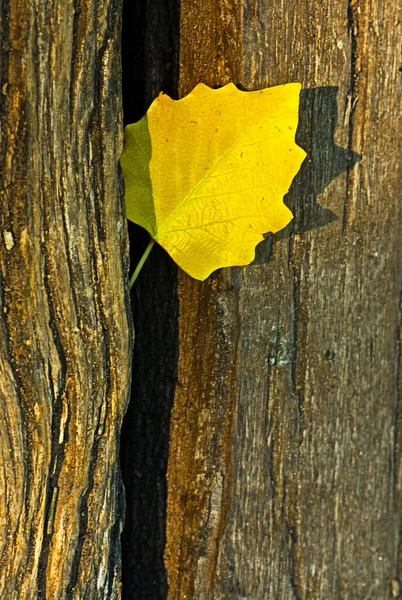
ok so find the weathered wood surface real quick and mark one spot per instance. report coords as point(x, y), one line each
point(65, 325)
point(284, 472)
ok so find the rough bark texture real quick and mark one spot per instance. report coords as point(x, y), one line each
point(284, 475)
point(65, 328)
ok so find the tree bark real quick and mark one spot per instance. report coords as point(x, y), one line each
point(284, 474)
point(65, 324)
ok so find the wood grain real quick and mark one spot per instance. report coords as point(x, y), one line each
point(65, 325)
point(284, 474)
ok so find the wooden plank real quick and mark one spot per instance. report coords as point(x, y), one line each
point(284, 476)
point(65, 323)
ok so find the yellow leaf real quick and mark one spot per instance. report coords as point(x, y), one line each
point(206, 175)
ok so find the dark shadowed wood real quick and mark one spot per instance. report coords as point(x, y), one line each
point(150, 41)
point(284, 475)
point(65, 330)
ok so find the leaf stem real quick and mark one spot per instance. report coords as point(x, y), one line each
point(141, 263)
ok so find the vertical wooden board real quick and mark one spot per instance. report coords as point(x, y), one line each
point(203, 406)
point(296, 492)
point(65, 327)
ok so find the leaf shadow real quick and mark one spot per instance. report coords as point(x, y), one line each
point(318, 118)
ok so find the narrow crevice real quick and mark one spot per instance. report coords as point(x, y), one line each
point(293, 575)
point(150, 50)
point(397, 445)
point(57, 449)
point(351, 100)
point(83, 520)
